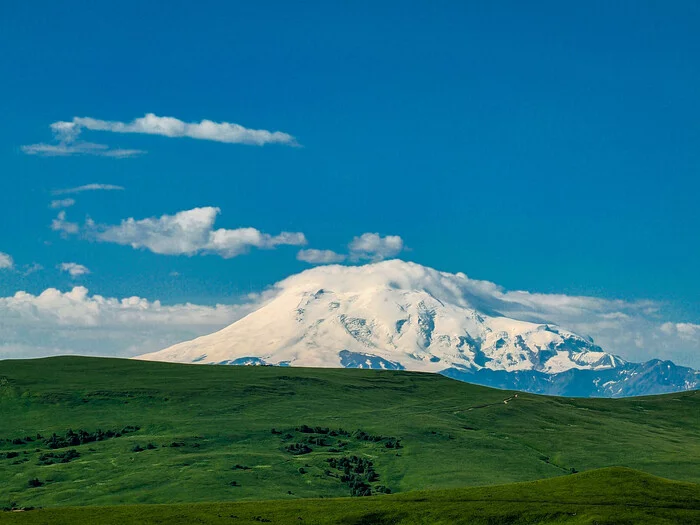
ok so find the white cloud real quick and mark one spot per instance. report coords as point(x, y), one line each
point(66, 149)
point(88, 187)
point(74, 269)
point(61, 203)
point(374, 247)
point(76, 322)
point(685, 331)
point(367, 247)
point(63, 226)
point(6, 262)
point(171, 127)
point(66, 144)
point(320, 256)
point(32, 268)
point(191, 232)
point(66, 135)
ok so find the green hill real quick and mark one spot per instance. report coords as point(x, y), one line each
point(188, 433)
point(606, 496)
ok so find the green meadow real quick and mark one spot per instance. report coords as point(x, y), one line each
point(261, 441)
point(606, 496)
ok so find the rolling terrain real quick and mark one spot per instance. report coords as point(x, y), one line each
point(609, 496)
point(207, 433)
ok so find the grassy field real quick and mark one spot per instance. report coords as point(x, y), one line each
point(607, 496)
point(207, 435)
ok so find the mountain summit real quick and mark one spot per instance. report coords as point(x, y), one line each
point(403, 316)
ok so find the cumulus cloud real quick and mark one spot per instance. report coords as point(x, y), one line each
point(312, 256)
point(367, 247)
point(73, 269)
point(66, 135)
point(61, 203)
point(75, 322)
point(88, 187)
point(6, 262)
point(374, 247)
point(63, 226)
point(192, 232)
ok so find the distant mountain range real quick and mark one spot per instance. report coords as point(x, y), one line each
point(403, 316)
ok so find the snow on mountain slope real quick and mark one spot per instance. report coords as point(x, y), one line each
point(392, 314)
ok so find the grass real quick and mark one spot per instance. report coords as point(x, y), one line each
point(452, 435)
point(606, 496)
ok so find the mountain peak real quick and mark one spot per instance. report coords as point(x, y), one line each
point(391, 314)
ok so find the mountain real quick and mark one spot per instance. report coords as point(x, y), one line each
point(402, 316)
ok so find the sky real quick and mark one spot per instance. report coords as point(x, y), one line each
point(156, 163)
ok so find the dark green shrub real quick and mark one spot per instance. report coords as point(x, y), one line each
point(34, 483)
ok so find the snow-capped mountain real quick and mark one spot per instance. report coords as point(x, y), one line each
point(403, 316)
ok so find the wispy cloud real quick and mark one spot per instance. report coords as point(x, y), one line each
point(73, 269)
point(61, 203)
point(66, 143)
point(67, 133)
point(32, 268)
point(312, 256)
point(172, 127)
point(67, 149)
point(6, 262)
point(88, 187)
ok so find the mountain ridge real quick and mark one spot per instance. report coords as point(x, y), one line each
point(404, 316)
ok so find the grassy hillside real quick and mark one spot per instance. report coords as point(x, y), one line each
point(607, 496)
point(206, 433)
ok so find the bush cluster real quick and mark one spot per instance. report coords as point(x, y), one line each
point(51, 458)
point(298, 449)
point(357, 473)
point(73, 439)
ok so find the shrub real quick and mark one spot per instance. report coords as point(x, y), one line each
point(51, 458)
point(298, 449)
point(34, 482)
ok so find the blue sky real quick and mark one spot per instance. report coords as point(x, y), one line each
point(547, 147)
